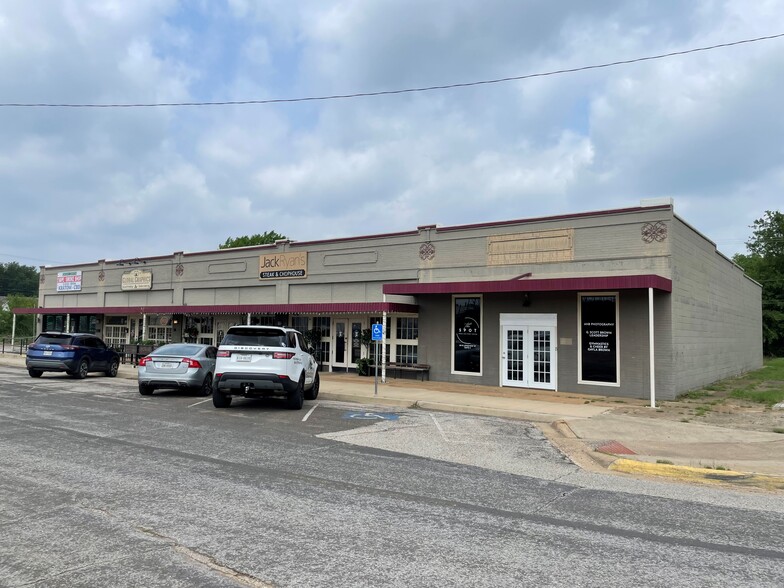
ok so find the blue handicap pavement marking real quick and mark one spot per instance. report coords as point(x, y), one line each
point(371, 416)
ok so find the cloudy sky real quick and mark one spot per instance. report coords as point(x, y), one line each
point(78, 185)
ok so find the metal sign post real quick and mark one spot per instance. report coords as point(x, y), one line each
point(377, 332)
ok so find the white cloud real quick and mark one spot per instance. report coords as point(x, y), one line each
point(703, 128)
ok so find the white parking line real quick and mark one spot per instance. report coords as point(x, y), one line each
point(112, 397)
point(438, 426)
point(200, 402)
point(310, 412)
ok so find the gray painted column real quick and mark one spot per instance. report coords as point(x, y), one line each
point(651, 350)
point(144, 327)
point(247, 320)
point(67, 323)
point(13, 329)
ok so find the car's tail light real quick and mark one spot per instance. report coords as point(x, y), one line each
point(224, 353)
point(144, 361)
point(69, 347)
point(282, 355)
point(192, 363)
point(283, 376)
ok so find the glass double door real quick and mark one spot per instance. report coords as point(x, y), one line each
point(346, 342)
point(529, 354)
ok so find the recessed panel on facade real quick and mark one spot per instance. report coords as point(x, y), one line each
point(283, 266)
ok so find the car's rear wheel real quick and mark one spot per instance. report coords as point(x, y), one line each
point(206, 386)
point(34, 373)
point(312, 392)
point(112, 371)
point(220, 400)
point(296, 398)
point(81, 372)
point(145, 389)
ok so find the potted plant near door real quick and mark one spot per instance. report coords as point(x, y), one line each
point(364, 363)
point(313, 341)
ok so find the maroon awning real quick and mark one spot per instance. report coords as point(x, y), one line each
point(311, 308)
point(532, 285)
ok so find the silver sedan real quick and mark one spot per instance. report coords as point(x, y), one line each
point(186, 366)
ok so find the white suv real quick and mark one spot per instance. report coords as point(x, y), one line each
point(257, 361)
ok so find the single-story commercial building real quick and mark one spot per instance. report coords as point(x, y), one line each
point(626, 302)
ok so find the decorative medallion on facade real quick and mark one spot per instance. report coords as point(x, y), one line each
point(101, 276)
point(427, 251)
point(179, 270)
point(654, 232)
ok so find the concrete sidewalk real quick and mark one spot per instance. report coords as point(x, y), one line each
point(584, 427)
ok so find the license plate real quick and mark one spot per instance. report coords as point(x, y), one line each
point(47, 353)
point(242, 356)
point(166, 365)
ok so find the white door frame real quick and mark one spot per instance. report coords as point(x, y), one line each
point(348, 340)
point(530, 322)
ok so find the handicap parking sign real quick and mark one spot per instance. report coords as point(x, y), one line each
point(378, 332)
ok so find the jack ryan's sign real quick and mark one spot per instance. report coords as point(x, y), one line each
point(282, 266)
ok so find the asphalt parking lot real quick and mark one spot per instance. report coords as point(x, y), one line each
point(100, 486)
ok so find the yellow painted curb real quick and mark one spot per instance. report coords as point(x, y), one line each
point(700, 475)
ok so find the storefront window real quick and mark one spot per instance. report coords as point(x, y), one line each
point(115, 335)
point(406, 353)
point(159, 334)
point(598, 338)
point(322, 324)
point(407, 328)
point(54, 322)
point(373, 347)
point(467, 335)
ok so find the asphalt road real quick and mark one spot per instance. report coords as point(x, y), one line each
point(100, 486)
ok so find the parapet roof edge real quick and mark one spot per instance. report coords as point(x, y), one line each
point(438, 229)
point(555, 217)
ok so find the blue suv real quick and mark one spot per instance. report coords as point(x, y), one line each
point(73, 353)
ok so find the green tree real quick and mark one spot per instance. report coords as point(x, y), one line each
point(18, 279)
point(24, 322)
point(765, 264)
point(258, 239)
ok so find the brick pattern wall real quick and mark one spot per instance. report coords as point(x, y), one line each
point(716, 313)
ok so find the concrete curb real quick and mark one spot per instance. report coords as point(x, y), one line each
point(697, 475)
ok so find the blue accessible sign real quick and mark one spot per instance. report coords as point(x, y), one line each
point(377, 332)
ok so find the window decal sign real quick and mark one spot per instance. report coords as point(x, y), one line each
point(599, 338)
point(69, 281)
point(467, 338)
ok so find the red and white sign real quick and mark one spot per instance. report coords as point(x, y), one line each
point(69, 281)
